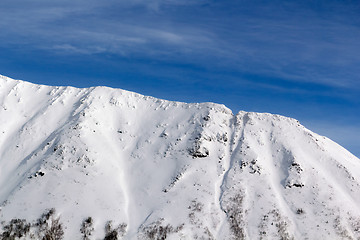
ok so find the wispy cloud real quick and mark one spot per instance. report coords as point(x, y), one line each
point(293, 41)
point(49, 27)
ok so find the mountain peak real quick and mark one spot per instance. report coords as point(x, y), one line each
point(143, 168)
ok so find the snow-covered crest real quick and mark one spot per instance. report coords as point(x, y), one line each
point(160, 169)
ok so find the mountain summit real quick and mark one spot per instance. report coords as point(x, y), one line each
point(102, 163)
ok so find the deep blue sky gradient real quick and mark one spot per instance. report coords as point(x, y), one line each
point(295, 58)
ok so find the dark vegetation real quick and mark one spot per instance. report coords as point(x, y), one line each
point(47, 227)
point(112, 233)
point(87, 228)
point(235, 216)
point(158, 231)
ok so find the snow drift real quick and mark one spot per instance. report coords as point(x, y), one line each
point(144, 168)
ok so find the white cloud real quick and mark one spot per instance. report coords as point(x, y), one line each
point(299, 47)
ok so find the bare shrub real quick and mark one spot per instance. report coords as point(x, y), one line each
point(54, 231)
point(16, 228)
point(281, 225)
point(49, 227)
point(340, 229)
point(87, 228)
point(235, 216)
point(114, 233)
point(157, 231)
point(195, 207)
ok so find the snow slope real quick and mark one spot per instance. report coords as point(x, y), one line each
point(168, 169)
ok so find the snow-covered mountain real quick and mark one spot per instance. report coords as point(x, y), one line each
point(158, 169)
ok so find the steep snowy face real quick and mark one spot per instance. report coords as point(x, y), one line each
point(158, 169)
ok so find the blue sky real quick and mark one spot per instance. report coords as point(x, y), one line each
point(295, 58)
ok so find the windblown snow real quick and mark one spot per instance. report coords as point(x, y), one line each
point(145, 168)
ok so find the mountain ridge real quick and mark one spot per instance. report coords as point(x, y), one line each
point(161, 168)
